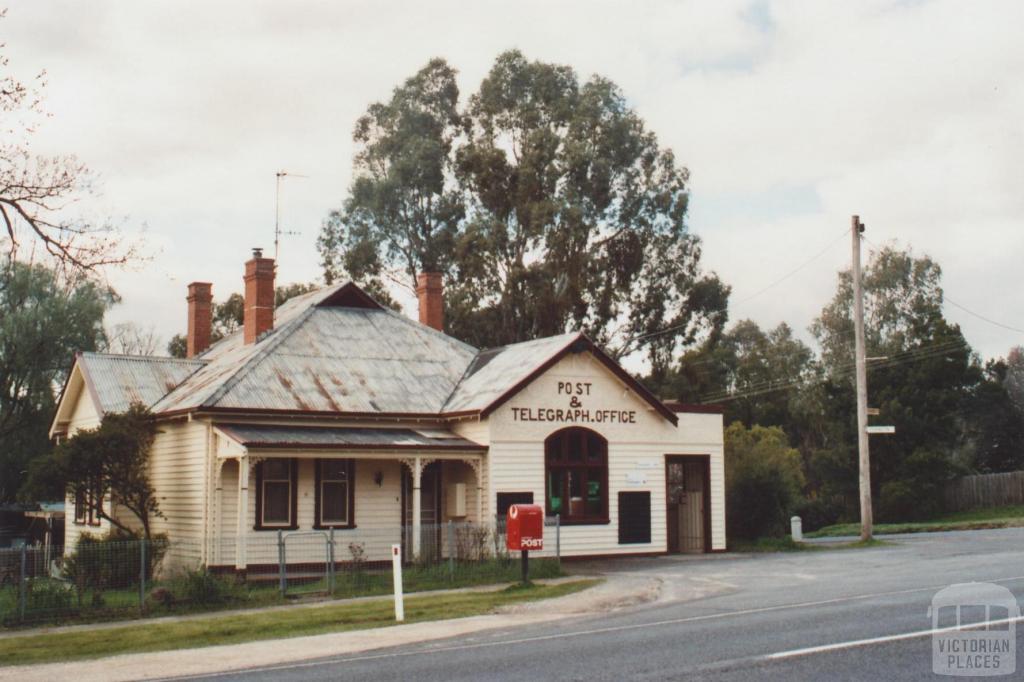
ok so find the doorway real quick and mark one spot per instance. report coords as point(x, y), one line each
point(688, 503)
point(430, 512)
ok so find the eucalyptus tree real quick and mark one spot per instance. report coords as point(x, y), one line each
point(46, 319)
point(546, 202)
point(403, 211)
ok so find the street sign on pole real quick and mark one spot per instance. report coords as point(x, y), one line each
point(874, 412)
point(881, 429)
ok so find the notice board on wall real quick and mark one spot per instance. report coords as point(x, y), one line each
point(634, 517)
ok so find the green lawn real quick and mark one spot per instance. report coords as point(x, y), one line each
point(786, 544)
point(156, 636)
point(976, 519)
point(53, 602)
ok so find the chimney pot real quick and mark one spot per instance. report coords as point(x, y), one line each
point(430, 291)
point(259, 296)
point(200, 318)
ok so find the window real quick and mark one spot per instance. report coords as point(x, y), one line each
point(87, 508)
point(276, 493)
point(80, 507)
point(335, 493)
point(577, 475)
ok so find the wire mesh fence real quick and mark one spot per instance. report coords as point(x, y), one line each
point(110, 578)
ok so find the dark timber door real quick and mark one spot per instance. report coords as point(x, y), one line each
point(688, 503)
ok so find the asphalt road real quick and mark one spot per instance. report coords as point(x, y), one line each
point(801, 616)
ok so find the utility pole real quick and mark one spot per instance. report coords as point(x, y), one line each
point(866, 523)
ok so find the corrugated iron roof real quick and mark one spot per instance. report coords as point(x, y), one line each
point(495, 371)
point(344, 438)
point(333, 350)
point(119, 380)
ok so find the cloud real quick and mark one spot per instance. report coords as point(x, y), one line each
point(791, 116)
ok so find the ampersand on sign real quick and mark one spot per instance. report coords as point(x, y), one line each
point(575, 402)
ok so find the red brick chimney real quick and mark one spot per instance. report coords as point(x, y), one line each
point(200, 317)
point(259, 296)
point(430, 290)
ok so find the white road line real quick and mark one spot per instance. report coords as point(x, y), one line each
point(794, 653)
point(605, 630)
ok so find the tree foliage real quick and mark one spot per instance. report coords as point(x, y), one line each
point(107, 465)
point(403, 211)
point(545, 201)
point(764, 481)
point(46, 318)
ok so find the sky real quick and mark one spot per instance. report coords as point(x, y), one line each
point(791, 117)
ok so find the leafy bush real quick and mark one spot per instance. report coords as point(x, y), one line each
point(763, 479)
point(111, 561)
point(916, 494)
point(201, 587)
point(818, 513)
point(161, 596)
point(45, 594)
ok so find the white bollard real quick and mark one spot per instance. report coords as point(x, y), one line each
point(796, 529)
point(396, 569)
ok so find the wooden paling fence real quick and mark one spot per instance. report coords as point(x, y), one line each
point(985, 490)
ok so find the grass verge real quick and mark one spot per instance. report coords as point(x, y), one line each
point(137, 638)
point(786, 544)
point(976, 519)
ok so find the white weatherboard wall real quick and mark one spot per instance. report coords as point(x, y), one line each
point(635, 450)
point(84, 415)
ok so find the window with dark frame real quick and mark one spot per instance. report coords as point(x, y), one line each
point(276, 493)
point(576, 468)
point(80, 508)
point(87, 508)
point(335, 493)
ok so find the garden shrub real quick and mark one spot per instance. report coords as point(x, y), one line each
point(200, 587)
point(764, 481)
point(44, 594)
point(111, 561)
point(819, 512)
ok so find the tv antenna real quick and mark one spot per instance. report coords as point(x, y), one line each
point(277, 212)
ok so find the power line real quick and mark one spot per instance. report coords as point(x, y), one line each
point(981, 317)
point(840, 372)
point(780, 280)
point(964, 308)
point(796, 269)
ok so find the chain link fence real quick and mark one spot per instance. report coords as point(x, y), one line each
point(111, 578)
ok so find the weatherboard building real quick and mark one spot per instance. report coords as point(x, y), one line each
point(334, 412)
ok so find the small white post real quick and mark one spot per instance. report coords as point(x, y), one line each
point(796, 529)
point(396, 569)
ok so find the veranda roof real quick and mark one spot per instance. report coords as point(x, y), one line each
point(344, 438)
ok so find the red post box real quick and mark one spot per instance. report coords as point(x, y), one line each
point(525, 527)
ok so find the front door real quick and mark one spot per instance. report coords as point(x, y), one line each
point(430, 511)
point(687, 503)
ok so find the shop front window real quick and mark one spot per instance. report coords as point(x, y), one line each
point(576, 462)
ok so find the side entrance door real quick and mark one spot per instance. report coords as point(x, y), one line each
point(688, 503)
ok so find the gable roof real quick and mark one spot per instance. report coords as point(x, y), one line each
point(498, 374)
point(335, 351)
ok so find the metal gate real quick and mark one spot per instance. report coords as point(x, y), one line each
point(305, 562)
